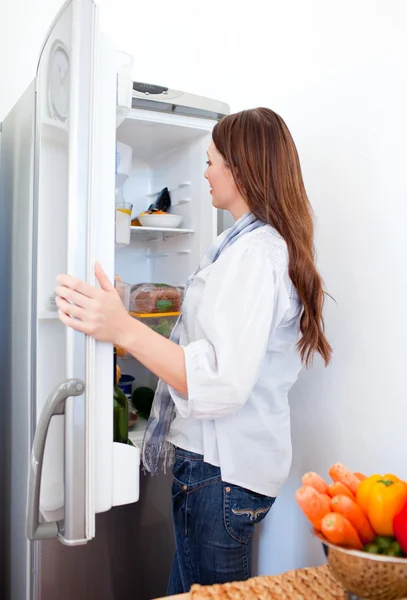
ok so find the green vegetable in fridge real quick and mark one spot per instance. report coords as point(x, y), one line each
point(163, 328)
point(142, 400)
point(164, 305)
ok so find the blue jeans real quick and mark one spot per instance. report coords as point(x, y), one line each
point(214, 525)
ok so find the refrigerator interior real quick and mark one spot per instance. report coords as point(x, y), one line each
point(168, 154)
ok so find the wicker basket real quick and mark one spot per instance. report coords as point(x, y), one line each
point(303, 584)
point(369, 576)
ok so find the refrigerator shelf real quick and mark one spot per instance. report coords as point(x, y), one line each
point(47, 314)
point(136, 433)
point(153, 233)
point(126, 474)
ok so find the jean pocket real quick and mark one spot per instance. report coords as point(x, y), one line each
point(191, 474)
point(243, 509)
point(181, 469)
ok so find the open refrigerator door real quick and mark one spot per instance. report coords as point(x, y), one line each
point(76, 469)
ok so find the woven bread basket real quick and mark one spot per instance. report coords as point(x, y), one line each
point(303, 584)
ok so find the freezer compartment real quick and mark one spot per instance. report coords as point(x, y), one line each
point(126, 474)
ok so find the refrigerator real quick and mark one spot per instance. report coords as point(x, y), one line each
point(79, 518)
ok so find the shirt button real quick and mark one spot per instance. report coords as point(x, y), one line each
point(228, 489)
point(185, 487)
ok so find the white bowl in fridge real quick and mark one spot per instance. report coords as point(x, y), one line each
point(165, 221)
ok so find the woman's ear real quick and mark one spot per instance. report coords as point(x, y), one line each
point(239, 184)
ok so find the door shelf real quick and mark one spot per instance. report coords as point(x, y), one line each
point(44, 315)
point(153, 233)
point(136, 433)
point(126, 474)
point(55, 131)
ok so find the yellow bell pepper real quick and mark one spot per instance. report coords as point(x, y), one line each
point(381, 498)
point(364, 489)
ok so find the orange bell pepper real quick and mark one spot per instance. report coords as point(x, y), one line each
point(391, 477)
point(364, 489)
point(381, 498)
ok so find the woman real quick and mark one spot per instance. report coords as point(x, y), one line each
point(252, 314)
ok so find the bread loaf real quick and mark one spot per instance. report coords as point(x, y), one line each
point(150, 298)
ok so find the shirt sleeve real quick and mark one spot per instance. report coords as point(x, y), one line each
point(234, 321)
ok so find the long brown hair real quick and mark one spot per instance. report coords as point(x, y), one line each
point(258, 148)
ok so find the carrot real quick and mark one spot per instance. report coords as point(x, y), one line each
point(348, 508)
point(339, 489)
point(340, 532)
point(360, 476)
point(315, 481)
point(340, 473)
point(313, 504)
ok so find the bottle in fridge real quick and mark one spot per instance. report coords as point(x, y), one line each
point(120, 408)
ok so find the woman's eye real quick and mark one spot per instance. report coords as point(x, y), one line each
point(208, 162)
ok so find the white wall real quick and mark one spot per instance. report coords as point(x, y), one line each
point(336, 72)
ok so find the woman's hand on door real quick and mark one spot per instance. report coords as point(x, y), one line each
point(98, 312)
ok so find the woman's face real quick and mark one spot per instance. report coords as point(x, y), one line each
point(224, 191)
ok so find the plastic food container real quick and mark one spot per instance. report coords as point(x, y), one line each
point(123, 289)
point(151, 298)
point(160, 323)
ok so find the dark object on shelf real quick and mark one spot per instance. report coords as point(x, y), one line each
point(142, 400)
point(162, 202)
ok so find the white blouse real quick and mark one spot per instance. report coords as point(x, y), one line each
point(239, 333)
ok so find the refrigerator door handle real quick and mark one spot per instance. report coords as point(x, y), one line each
point(55, 405)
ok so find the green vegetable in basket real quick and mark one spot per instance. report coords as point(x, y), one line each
point(386, 545)
point(394, 550)
point(372, 548)
point(383, 542)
